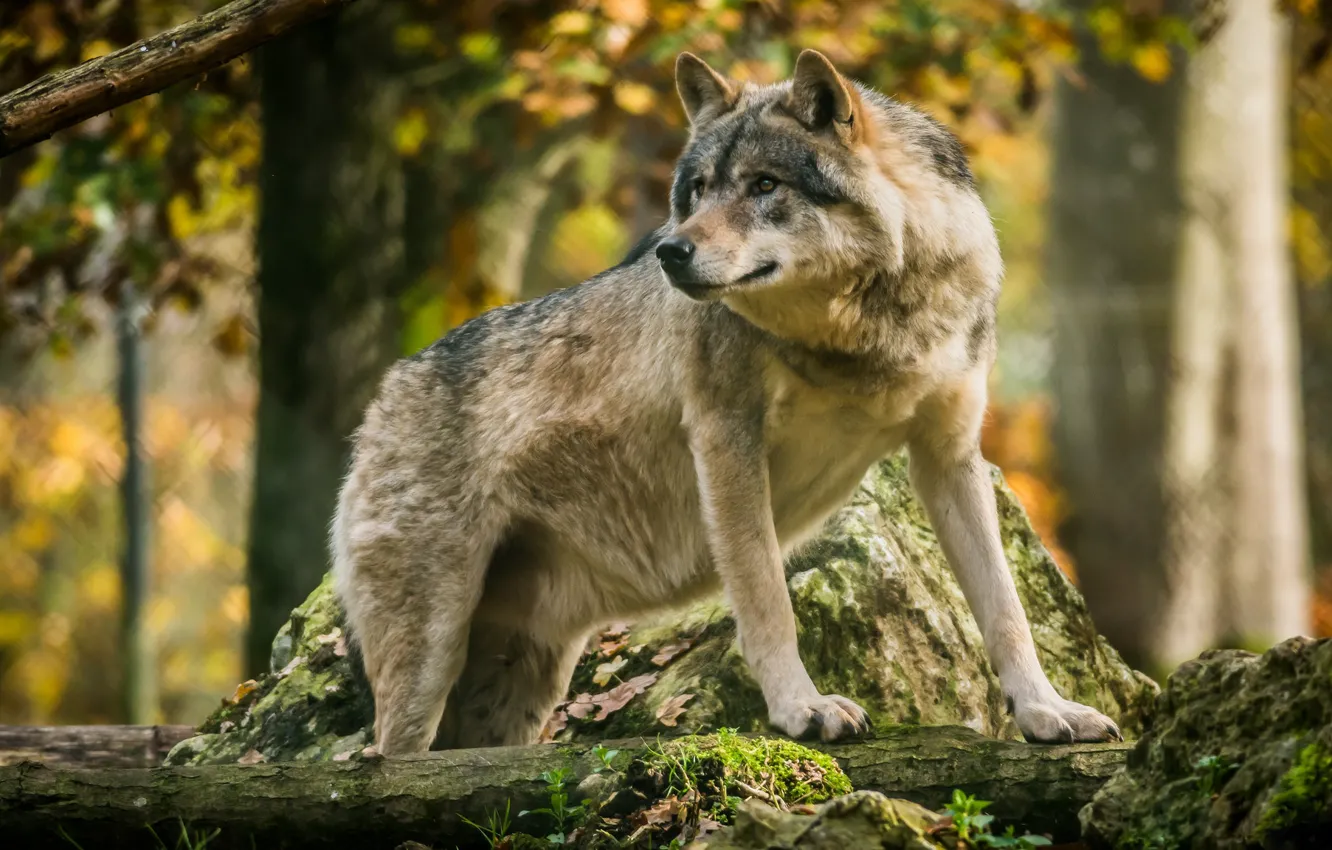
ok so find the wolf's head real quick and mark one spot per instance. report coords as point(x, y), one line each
point(812, 180)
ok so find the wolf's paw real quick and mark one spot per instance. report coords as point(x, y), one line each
point(829, 717)
point(1061, 721)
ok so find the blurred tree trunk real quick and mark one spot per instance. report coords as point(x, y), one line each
point(1311, 102)
point(138, 659)
point(331, 253)
point(1114, 221)
point(1268, 581)
point(1178, 433)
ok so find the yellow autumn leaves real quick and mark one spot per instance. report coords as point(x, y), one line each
point(1143, 40)
point(60, 460)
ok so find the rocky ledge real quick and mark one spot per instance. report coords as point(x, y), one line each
point(1237, 754)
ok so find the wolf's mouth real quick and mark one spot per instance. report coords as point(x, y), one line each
point(760, 272)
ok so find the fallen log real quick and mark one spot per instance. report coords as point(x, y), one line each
point(430, 798)
point(90, 746)
point(32, 113)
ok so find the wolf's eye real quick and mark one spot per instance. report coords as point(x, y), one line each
point(764, 185)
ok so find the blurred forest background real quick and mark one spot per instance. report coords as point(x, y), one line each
point(235, 260)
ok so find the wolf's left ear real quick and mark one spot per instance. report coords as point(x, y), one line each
point(823, 99)
point(704, 93)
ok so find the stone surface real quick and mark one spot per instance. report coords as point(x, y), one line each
point(881, 620)
point(1238, 754)
point(863, 819)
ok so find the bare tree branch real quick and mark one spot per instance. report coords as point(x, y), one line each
point(32, 113)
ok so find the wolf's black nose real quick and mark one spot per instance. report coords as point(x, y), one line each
point(675, 252)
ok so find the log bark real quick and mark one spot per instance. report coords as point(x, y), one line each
point(90, 746)
point(32, 113)
point(379, 803)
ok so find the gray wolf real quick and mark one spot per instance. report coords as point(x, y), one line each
point(822, 294)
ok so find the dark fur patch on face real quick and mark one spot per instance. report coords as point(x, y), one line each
point(743, 147)
point(814, 184)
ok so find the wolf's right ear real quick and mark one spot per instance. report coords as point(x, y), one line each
point(821, 98)
point(704, 93)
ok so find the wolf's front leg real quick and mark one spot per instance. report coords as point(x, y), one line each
point(959, 498)
point(737, 510)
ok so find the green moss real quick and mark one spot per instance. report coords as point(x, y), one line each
point(723, 766)
point(1304, 795)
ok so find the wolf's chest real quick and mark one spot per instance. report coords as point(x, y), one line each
point(820, 444)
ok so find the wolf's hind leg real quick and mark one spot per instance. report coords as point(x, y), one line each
point(512, 682)
point(414, 666)
point(410, 601)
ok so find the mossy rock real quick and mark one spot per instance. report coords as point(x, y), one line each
point(881, 620)
point(1237, 755)
point(864, 819)
point(314, 704)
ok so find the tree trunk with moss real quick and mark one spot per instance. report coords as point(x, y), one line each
point(674, 786)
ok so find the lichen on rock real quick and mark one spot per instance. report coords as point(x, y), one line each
point(881, 620)
point(1238, 754)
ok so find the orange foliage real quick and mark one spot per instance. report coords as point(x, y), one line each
point(1016, 437)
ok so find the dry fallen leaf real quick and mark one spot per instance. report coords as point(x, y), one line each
point(670, 710)
point(252, 757)
point(554, 725)
point(244, 689)
point(291, 665)
point(333, 636)
point(609, 669)
point(581, 706)
point(664, 811)
point(666, 653)
point(610, 647)
point(618, 697)
point(615, 699)
point(707, 826)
